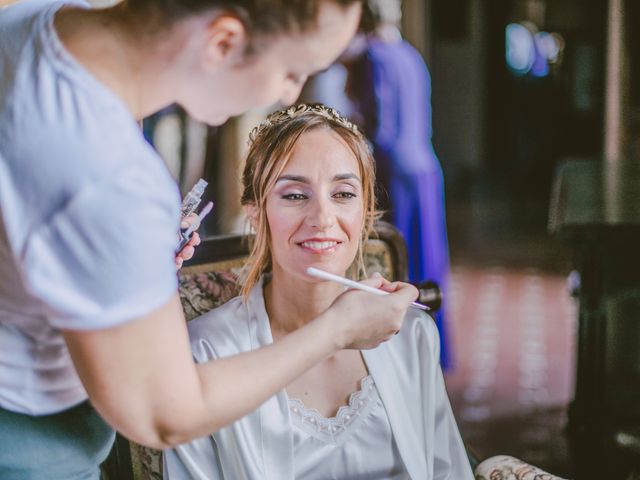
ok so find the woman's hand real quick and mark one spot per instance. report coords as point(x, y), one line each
point(187, 252)
point(363, 320)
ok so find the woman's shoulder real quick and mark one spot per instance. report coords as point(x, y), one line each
point(415, 348)
point(220, 332)
point(419, 331)
point(419, 322)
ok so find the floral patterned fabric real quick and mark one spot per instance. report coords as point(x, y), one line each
point(377, 258)
point(201, 292)
point(146, 462)
point(503, 467)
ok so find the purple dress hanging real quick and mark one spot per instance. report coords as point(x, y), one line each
point(391, 89)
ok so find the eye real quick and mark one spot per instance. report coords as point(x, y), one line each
point(344, 195)
point(294, 196)
point(297, 79)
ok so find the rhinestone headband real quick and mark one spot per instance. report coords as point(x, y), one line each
point(281, 116)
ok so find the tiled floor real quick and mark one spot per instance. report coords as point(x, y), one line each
point(513, 324)
point(514, 335)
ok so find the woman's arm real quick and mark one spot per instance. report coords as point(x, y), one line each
point(142, 379)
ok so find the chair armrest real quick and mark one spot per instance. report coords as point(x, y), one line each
point(505, 467)
point(430, 295)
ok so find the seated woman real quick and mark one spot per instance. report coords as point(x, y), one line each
point(375, 414)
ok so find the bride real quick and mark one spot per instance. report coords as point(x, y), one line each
point(376, 414)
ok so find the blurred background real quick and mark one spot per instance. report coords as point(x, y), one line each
point(535, 111)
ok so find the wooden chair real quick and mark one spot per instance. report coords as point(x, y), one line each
point(210, 278)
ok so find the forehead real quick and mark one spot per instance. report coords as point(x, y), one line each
point(322, 150)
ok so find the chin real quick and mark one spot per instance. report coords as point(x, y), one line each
point(216, 121)
point(212, 119)
point(337, 268)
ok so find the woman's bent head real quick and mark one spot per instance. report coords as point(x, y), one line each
point(308, 185)
point(215, 58)
point(238, 55)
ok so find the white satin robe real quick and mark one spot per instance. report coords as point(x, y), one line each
point(260, 446)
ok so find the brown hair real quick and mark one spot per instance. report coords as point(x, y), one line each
point(271, 144)
point(258, 16)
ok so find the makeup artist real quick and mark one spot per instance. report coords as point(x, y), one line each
point(92, 334)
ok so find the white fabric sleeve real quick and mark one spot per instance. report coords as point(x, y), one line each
point(196, 460)
point(107, 255)
point(450, 460)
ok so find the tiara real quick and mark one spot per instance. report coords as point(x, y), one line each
point(281, 116)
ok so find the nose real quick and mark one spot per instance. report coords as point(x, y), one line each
point(292, 91)
point(321, 215)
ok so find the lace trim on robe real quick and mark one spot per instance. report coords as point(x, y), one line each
point(330, 430)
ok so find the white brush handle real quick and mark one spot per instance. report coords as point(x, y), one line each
point(315, 272)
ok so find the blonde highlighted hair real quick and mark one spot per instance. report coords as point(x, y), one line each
point(270, 147)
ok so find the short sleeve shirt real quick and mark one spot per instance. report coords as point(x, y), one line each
point(88, 212)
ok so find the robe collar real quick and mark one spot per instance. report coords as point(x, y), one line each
point(275, 420)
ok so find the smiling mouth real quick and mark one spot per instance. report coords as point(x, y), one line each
point(319, 246)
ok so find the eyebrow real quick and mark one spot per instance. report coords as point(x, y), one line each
point(302, 179)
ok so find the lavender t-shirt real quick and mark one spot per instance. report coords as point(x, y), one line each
point(88, 212)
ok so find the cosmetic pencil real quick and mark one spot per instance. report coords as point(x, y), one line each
point(316, 272)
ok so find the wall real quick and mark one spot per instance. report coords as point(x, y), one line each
point(458, 94)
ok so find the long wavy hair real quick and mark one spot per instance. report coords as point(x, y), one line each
point(271, 144)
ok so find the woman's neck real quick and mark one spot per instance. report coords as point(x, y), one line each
point(292, 303)
point(120, 55)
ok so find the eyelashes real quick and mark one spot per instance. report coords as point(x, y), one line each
point(302, 196)
point(294, 196)
point(345, 195)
